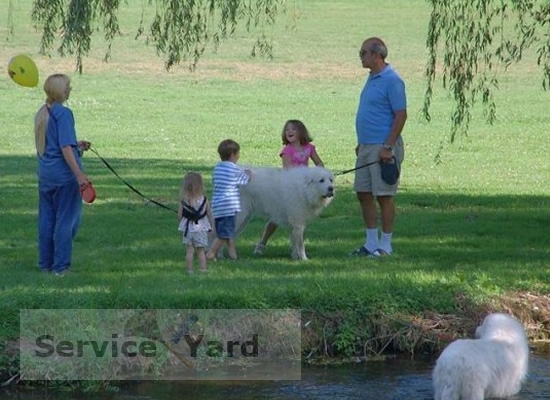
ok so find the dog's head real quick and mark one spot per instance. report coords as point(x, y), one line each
point(501, 327)
point(320, 182)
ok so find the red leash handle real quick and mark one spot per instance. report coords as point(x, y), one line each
point(87, 192)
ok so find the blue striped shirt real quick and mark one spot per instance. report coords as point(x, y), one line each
point(226, 179)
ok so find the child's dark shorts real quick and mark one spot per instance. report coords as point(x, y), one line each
point(225, 227)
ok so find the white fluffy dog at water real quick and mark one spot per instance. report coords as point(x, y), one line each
point(288, 197)
point(493, 365)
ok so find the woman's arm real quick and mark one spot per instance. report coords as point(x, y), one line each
point(68, 155)
point(84, 145)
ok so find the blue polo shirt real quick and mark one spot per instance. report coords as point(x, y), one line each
point(382, 96)
point(52, 167)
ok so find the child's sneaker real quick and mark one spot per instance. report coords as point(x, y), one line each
point(259, 249)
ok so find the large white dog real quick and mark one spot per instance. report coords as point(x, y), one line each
point(493, 365)
point(288, 197)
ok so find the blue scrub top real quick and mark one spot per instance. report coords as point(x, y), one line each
point(52, 167)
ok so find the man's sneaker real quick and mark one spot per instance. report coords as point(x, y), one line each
point(259, 249)
point(362, 251)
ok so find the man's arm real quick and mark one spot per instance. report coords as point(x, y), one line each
point(386, 153)
point(397, 127)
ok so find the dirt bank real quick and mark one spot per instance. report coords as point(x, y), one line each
point(329, 335)
point(341, 336)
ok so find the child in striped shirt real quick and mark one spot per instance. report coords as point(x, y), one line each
point(227, 178)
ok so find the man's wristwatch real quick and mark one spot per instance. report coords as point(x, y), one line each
point(388, 147)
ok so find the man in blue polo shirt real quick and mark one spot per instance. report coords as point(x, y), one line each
point(381, 116)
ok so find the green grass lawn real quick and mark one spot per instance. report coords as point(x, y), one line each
point(474, 225)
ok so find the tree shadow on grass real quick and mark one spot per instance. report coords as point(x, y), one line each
point(128, 252)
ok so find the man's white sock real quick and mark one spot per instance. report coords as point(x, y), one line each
point(371, 243)
point(385, 242)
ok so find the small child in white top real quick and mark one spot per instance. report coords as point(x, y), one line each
point(195, 219)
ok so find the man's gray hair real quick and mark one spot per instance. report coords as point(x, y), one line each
point(377, 46)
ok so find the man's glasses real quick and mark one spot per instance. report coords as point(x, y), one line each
point(362, 53)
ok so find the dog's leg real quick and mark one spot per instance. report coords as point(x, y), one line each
point(242, 219)
point(448, 392)
point(297, 242)
point(473, 392)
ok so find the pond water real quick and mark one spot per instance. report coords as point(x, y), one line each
point(391, 379)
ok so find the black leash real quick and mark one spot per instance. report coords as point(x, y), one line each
point(133, 189)
point(347, 171)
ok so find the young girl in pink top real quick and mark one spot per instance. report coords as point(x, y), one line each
point(297, 151)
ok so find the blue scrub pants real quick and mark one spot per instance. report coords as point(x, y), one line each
point(59, 213)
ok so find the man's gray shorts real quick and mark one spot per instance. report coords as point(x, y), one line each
point(369, 179)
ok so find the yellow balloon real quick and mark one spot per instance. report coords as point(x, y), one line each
point(22, 70)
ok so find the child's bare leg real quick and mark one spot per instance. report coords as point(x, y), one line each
point(189, 257)
point(216, 245)
point(201, 255)
point(231, 249)
point(269, 230)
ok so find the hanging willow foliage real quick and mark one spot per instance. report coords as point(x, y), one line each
point(468, 41)
point(180, 29)
point(477, 38)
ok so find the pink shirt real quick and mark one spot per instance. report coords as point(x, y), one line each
point(298, 156)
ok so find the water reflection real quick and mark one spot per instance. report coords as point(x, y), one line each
point(393, 379)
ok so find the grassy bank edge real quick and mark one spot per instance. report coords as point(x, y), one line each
point(335, 337)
